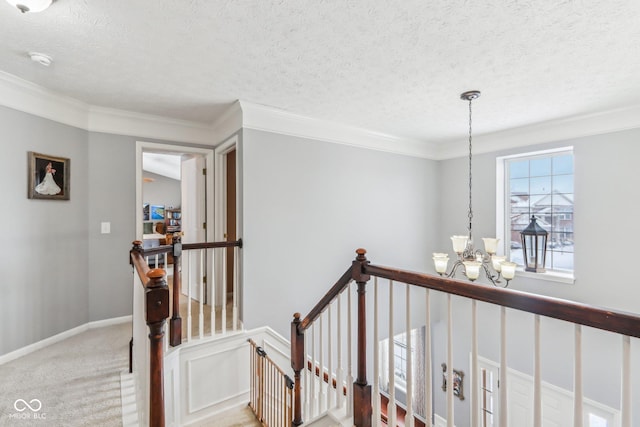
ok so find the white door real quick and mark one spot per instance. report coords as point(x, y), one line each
point(194, 216)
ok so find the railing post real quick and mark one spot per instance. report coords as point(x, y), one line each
point(137, 247)
point(157, 312)
point(297, 364)
point(175, 325)
point(361, 390)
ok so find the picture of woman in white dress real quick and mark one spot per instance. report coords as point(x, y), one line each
point(48, 185)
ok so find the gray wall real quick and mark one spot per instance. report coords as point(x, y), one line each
point(58, 270)
point(44, 265)
point(161, 191)
point(309, 204)
point(606, 206)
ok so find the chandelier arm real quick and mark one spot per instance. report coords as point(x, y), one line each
point(455, 268)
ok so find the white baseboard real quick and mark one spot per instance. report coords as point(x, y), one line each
point(61, 336)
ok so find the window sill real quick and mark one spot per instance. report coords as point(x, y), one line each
point(549, 276)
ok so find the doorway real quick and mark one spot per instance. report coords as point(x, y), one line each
point(193, 209)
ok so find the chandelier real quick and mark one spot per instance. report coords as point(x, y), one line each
point(469, 259)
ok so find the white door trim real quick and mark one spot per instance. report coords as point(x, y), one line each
point(208, 154)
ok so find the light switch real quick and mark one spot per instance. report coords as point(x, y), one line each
point(105, 227)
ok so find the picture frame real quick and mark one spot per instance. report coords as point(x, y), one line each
point(49, 177)
point(157, 212)
point(145, 211)
point(458, 382)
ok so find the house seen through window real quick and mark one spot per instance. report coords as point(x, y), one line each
point(541, 185)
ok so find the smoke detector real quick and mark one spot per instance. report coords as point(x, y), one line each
point(41, 58)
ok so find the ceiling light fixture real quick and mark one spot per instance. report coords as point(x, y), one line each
point(30, 5)
point(472, 260)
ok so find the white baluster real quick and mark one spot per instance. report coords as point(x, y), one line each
point(213, 292)
point(330, 389)
point(314, 396)
point(349, 355)
point(450, 362)
point(187, 256)
point(340, 370)
point(236, 260)
point(577, 378)
point(537, 376)
point(201, 293)
point(475, 389)
point(321, 376)
point(503, 367)
point(165, 262)
point(409, 421)
point(391, 406)
point(625, 408)
point(306, 388)
point(376, 358)
point(223, 315)
point(428, 388)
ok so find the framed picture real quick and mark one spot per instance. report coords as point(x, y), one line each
point(49, 177)
point(145, 211)
point(458, 386)
point(157, 212)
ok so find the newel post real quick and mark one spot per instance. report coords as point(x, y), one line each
point(157, 311)
point(361, 390)
point(297, 364)
point(175, 325)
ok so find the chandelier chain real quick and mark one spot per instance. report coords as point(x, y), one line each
point(470, 176)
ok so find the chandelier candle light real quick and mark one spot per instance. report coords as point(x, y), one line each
point(472, 260)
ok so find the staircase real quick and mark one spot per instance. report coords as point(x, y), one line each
point(335, 350)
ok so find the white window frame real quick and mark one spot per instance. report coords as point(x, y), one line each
point(503, 227)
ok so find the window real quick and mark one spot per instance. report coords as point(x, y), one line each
point(400, 358)
point(540, 184)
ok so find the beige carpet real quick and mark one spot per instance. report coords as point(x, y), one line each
point(76, 381)
point(242, 417)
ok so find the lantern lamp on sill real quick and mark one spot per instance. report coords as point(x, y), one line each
point(534, 246)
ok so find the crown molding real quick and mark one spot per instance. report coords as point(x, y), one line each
point(22, 95)
point(260, 117)
point(227, 124)
point(553, 130)
point(122, 122)
point(30, 98)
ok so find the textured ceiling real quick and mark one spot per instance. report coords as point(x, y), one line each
point(390, 66)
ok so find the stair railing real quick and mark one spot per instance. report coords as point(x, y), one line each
point(367, 405)
point(152, 307)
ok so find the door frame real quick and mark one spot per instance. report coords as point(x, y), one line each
point(220, 207)
point(142, 146)
point(220, 181)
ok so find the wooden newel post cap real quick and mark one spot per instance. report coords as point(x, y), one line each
point(296, 317)
point(361, 254)
point(137, 245)
point(156, 273)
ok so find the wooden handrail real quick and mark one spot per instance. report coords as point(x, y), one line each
point(582, 314)
point(326, 300)
point(624, 323)
point(212, 245)
point(136, 258)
